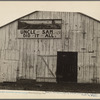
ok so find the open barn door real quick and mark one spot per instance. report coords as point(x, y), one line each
point(66, 67)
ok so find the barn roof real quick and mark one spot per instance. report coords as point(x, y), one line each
point(46, 11)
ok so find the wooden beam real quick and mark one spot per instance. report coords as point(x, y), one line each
point(47, 66)
point(47, 55)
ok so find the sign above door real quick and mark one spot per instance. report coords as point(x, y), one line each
point(39, 28)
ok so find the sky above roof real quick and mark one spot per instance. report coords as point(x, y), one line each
point(11, 10)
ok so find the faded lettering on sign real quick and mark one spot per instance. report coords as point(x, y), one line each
point(39, 29)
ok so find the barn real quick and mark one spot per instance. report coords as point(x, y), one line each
point(47, 46)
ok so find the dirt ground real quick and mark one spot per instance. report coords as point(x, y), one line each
point(57, 87)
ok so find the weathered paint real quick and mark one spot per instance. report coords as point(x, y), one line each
point(43, 28)
point(37, 58)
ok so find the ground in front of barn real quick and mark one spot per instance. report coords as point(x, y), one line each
point(53, 87)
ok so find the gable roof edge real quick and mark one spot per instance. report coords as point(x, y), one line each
point(45, 11)
point(18, 19)
point(89, 16)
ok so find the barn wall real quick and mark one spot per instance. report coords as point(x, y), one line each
point(88, 56)
point(36, 58)
point(9, 53)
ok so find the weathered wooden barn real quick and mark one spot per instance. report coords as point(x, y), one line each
point(51, 47)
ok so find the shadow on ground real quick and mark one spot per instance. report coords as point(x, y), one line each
point(57, 87)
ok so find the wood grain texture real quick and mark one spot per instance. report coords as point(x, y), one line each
point(23, 58)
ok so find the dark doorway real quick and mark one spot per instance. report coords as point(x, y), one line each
point(66, 67)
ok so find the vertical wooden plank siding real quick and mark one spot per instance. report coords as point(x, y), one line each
point(80, 55)
point(37, 58)
point(98, 53)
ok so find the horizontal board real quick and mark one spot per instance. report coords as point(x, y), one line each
point(48, 79)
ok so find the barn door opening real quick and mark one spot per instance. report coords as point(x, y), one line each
point(66, 67)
